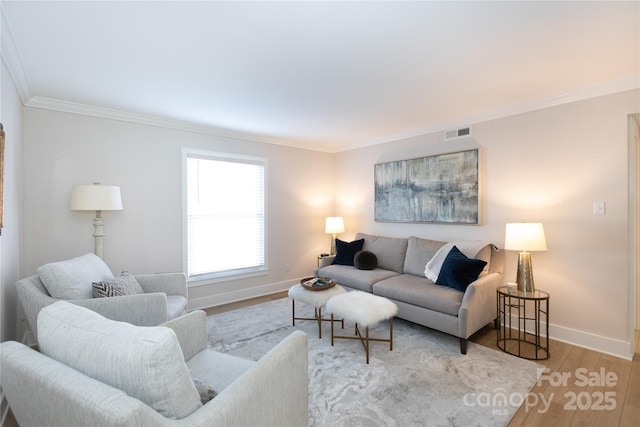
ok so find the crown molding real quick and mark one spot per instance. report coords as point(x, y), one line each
point(607, 88)
point(144, 119)
point(593, 91)
point(13, 61)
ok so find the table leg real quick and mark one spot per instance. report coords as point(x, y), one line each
point(293, 311)
point(366, 347)
point(331, 329)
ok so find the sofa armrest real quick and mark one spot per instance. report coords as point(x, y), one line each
point(42, 391)
point(274, 392)
point(478, 304)
point(327, 260)
point(33, 297)
point(137, 309)
point(169, 283)
point(191, 330)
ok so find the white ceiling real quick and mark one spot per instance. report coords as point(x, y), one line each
point(323, 75)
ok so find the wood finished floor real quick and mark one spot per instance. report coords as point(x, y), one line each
point(555, 403)
point(564, 358)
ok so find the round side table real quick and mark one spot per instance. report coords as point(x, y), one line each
point(520, 315)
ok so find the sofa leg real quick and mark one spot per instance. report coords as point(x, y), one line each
point(463, 345)
point(495, 323)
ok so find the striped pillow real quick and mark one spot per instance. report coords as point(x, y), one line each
point(121, 285)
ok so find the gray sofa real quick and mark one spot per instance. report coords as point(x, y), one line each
point(92, 371)
point(400, 276)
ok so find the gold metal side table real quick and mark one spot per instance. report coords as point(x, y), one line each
point(520, 315)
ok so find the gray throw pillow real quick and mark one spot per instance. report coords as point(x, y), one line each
point(147, 363)
point(72, 279)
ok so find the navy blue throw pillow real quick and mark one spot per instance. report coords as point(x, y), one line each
point(458, 271)
point(346, 251)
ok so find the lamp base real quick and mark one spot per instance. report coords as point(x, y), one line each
point(98, 233)
point(524, 278)
point(333, 244)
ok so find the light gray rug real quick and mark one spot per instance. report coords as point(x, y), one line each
point(424, 381)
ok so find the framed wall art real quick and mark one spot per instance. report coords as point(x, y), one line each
point(438, 189)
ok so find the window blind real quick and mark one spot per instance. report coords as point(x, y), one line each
point(225, 215)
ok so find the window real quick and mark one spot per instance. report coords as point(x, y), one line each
point(225, 214)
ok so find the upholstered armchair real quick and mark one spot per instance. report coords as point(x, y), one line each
point(155, 299)
point(94, 371)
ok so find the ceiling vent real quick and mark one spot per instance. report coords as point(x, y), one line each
point(457, 133)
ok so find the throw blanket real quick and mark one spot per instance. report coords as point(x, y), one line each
point(469, 248)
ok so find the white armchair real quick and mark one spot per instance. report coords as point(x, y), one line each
point(165, 295)
point(98, 372)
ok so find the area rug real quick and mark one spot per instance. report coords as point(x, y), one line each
point(424, 381)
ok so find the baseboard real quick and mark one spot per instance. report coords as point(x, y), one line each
point(240, 294)
point(613, 347)
point(599, 343)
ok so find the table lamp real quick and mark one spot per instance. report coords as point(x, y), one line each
point(334, 225)
point(525, 237)
point(97, 198)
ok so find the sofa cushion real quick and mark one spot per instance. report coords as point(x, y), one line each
point(145, 362)
point(458, 271)
point(390, 251)
point(72, 279)
point(419, 252)
point(365, 260)
point(176, 306)
point(216, 369)
point(354, 278)
point(420, 291)
point(346, 251)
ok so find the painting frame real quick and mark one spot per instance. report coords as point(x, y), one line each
point(441, 189)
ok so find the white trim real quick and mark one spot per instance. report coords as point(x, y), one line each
point(240, 294)
point(601, 89)
point(13, 60)
point(145, 119)
point(606, 88)
point(599, 343)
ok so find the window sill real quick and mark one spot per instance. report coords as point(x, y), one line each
point(208, 279)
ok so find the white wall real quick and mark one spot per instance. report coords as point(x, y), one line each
point(62, 149)
point(544, 166)
point(11, 118)
point(548, 165)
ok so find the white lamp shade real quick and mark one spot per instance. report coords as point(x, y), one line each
point(525, 236)
point(95, 198)
point(334, 225)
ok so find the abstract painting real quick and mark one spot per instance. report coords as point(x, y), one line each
point(440, 189)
